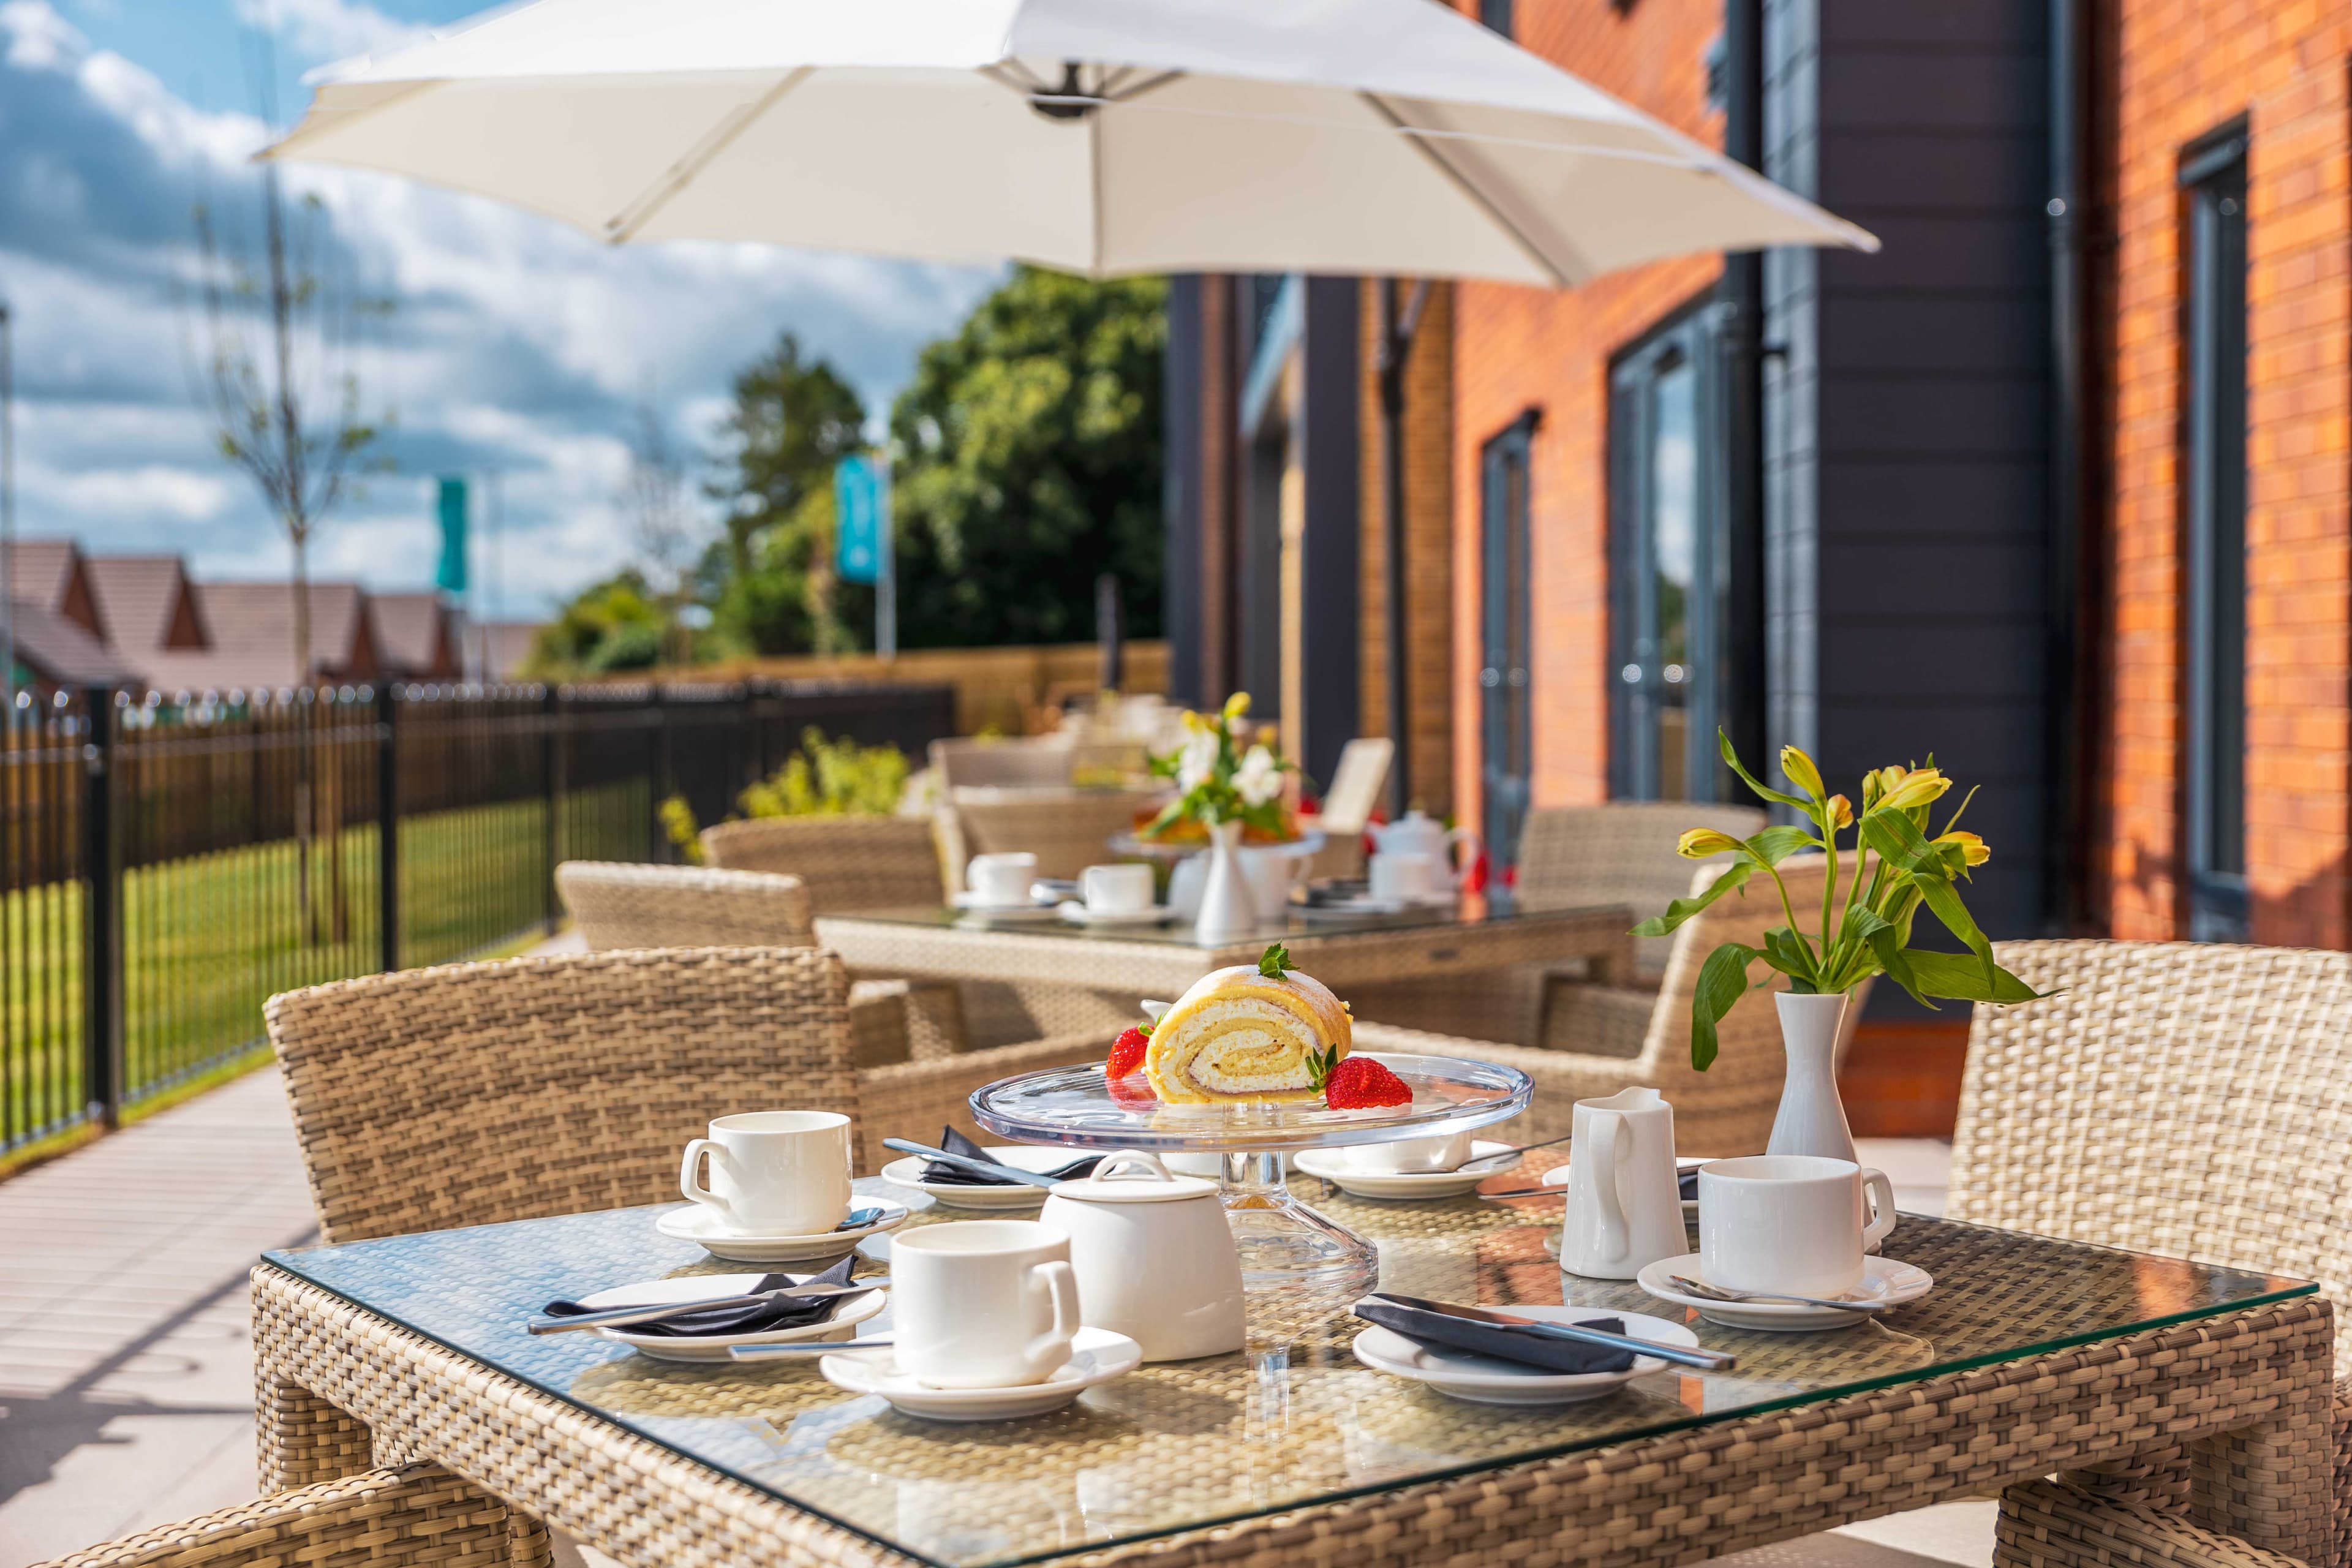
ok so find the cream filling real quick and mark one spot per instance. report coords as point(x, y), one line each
point(1252, 1046)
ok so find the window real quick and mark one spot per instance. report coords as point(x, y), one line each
point(1505, 728)
point(1666, 565)
point(2213, 506)
point(1497, 14)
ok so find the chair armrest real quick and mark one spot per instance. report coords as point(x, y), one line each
point(1562, 1077)
point(915, 1099)
point(2050, 1524)
point(420, 1514)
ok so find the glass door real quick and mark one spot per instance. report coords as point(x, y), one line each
point(1505, 731)
point(1666, 567)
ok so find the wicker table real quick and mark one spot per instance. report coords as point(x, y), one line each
point(1422, 946)
point(2032, 1355)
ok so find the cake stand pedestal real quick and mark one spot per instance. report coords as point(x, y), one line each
point(1284, 1243)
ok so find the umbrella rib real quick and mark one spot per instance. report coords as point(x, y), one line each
point(1462, 183)
point(625, 224)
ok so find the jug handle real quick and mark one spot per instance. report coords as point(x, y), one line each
point(1616, 1239)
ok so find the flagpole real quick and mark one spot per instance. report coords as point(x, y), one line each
point(7, 521)
point(886, 583)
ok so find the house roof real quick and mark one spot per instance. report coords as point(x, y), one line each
point(42, 572)
point(509, 644)
point(252, 627)
point(58, 651)
point(415, 634)
point(140, 598)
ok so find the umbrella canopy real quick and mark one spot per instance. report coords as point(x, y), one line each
point(1096, 136)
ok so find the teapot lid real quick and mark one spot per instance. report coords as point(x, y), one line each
point(1158, 1185)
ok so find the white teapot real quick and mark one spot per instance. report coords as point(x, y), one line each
point(1154, 1256)
point(1413, 858)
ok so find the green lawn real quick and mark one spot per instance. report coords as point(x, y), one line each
point(206, 939)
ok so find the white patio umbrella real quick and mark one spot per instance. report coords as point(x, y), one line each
point(1096, 136)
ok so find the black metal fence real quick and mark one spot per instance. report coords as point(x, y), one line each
point(164, 868)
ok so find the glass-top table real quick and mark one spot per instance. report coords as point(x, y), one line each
point(1293, 1422)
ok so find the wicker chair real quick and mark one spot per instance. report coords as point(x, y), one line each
point(1622, 1038)
point(2187, 1099)
point(1068, 829)
point(1622, 853)
point(420, 1515)
point(1041, 762)
point(844, 862)
point(618, 905)
point(479, 1092)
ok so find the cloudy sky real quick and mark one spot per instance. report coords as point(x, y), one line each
point(517, 345)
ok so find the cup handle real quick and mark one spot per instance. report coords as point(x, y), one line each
point(1881, 1202)
point(1616, 1239)
point(1046, 1352)
point(689, 1175)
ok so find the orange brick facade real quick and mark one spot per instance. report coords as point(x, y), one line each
point(2180, 69)
point(1515, 349)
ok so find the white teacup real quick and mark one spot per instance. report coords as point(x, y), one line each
point(1002, 879)
point(773, 1173)
point(982, 1303)
point(1412, 879)
point(1116, 889)
point(1411, 1156)
point(1788, 1222)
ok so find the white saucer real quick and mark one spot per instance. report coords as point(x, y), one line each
point(1079, 914)
point(908, 1173)
point(697, 1223)
point(970, 905)
point(853, 1310)
point(1332, 1165)
point(1557, 1177)
point(1097, 1355)
point(1483, 1380)
point(1884, 1281)
point(1350, 908)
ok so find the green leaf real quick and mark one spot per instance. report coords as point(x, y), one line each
point(1787, 953)
point(1958, 979)
point(1722, 981)
point(1900, 843)
point(1274, 960)
point(1680, 910)
point(1940, 897)
point(1731, 759)
point(1775, 845)
point(1886, 944)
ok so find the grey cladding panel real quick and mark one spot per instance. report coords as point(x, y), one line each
point(1947, 579)
point(1999, 495)
point(2004, 253)
point(1993, 415)
point(1990, 174)
point(1901, 332)
point(1932, 89)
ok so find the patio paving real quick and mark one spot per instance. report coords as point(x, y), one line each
point(126, 1375)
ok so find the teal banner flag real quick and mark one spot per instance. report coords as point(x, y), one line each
point(861, 497)
point(450, 576)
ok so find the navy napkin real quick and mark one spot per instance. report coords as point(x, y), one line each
point(1687, 1182)
point(955, 1143)
point(1502, 1343)
point(788, 1313)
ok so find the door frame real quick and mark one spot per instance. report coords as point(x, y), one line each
point(1506, 617)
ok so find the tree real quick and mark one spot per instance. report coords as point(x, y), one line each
point(1029, 461)
point(770, 583)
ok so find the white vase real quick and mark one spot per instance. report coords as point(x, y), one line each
point(1228, 909)
point(1812, 1118)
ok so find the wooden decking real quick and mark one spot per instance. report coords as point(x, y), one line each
point(126, 1378)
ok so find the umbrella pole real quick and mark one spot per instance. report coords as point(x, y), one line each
point(1397, 332)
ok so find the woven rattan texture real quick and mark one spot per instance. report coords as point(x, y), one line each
point(618, 905)
point(845, 862)
point(475, 1093)
point(1728, 1109)
point(1620, 853)
point(421, 1515)
point(2190, 1099)
point(1068, 830)
point(1284, 1432)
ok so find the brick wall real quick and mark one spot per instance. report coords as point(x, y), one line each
point(2182, 68)
point(1516, 348)
point(1429, 523)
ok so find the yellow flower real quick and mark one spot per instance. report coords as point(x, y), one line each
point(1236, 705)
point(1912, 788)
point(1194, 722)
point(1801, 771)
point(1269, 736)
point(1973, 849)
point(1841, 812)
point(1701, 842)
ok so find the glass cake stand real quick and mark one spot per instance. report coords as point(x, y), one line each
point(1284, 1245)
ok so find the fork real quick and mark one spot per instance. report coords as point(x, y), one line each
point(1705, 1291)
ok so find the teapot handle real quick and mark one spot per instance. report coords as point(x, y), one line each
point(1477, 846)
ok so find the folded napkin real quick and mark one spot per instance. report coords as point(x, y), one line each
point(955, 1143)
point(1689, 1183)
point(788, 1313)
point(1499, 1341)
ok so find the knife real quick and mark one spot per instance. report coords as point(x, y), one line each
point(980, 1167)
point(1684, 1355)
point(615, 1317)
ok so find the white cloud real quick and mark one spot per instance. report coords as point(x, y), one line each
point(327, 29)
point(154, 492)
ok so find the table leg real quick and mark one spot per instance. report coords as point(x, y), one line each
point(301, 1440)
point(2272, 1485)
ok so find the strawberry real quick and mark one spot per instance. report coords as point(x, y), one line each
point(1127, 1053)
point(1135, 1093)
point(1357, 1082)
